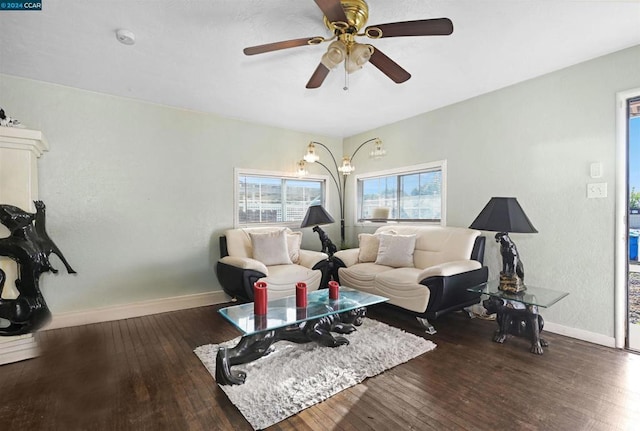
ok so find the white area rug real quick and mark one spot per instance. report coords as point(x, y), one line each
point(297, 376)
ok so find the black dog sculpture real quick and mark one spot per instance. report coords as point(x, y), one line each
point(29, 246)
point(519, 322)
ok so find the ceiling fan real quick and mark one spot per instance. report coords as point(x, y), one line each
point(345, 18)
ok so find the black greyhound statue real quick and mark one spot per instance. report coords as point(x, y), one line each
point(29, 246)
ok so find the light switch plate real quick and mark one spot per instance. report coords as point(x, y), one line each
point(597, 190)
point(595, 170)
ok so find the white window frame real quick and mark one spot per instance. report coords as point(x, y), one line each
point(440, 164)
point(238, 172)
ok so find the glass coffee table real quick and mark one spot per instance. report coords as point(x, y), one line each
point(285, 321)
point(517, 313)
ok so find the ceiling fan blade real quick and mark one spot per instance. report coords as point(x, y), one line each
point(389, 67)
point(318, 76)
point(423, 27)
point(332, 9)
point(261, 49)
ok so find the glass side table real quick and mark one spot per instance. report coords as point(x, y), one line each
point(517, 313)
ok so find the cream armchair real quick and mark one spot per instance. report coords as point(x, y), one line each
point(272, 255)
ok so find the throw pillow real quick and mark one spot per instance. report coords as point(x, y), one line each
point(270, 248)
point(396, 250)
point(369, 245)
point(294, 241)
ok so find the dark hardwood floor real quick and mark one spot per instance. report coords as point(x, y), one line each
point(142, 374)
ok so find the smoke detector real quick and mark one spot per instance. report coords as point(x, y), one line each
point(126, 37)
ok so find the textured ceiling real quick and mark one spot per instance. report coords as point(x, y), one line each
point(188, 54)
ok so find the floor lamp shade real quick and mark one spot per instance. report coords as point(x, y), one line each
point(503, 215)
point(316, 215)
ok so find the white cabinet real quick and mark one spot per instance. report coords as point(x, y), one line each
point(19, 153)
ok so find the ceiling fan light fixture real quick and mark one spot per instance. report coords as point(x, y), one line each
point(358, 56)
point(345, 19)
point(336, 53)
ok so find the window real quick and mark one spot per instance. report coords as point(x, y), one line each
point(275, 197)
point(411, 194)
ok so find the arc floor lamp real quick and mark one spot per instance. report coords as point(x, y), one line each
point(335, 170)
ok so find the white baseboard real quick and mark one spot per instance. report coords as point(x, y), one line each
point(136, 309)
point(580, 334)
point(155, 306)
point(17, 348)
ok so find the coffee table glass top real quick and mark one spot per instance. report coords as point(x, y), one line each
point(283, 311)
point(539, 296)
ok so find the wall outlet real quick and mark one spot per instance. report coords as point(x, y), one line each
point(596, 190)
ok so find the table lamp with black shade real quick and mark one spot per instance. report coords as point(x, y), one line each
point(505, 215)
point(316, 216)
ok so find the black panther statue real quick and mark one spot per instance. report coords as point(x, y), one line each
point(519, 322)
point(511, 263)
point(319, 330)
point(512, 274)
point(29, 246)
point(255, 346)
point(328, 246)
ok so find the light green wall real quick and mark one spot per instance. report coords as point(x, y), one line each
point(137, 194)
point(535, 141)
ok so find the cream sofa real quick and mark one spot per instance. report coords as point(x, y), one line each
point(424, 270)
point(272, 255)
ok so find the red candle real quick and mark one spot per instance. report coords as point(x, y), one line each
point(301, 295)
point(260, 297)
point(333, 289)
point(260, 322)
point(301, 313)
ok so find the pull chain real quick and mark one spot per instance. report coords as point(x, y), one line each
point(346, 74)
